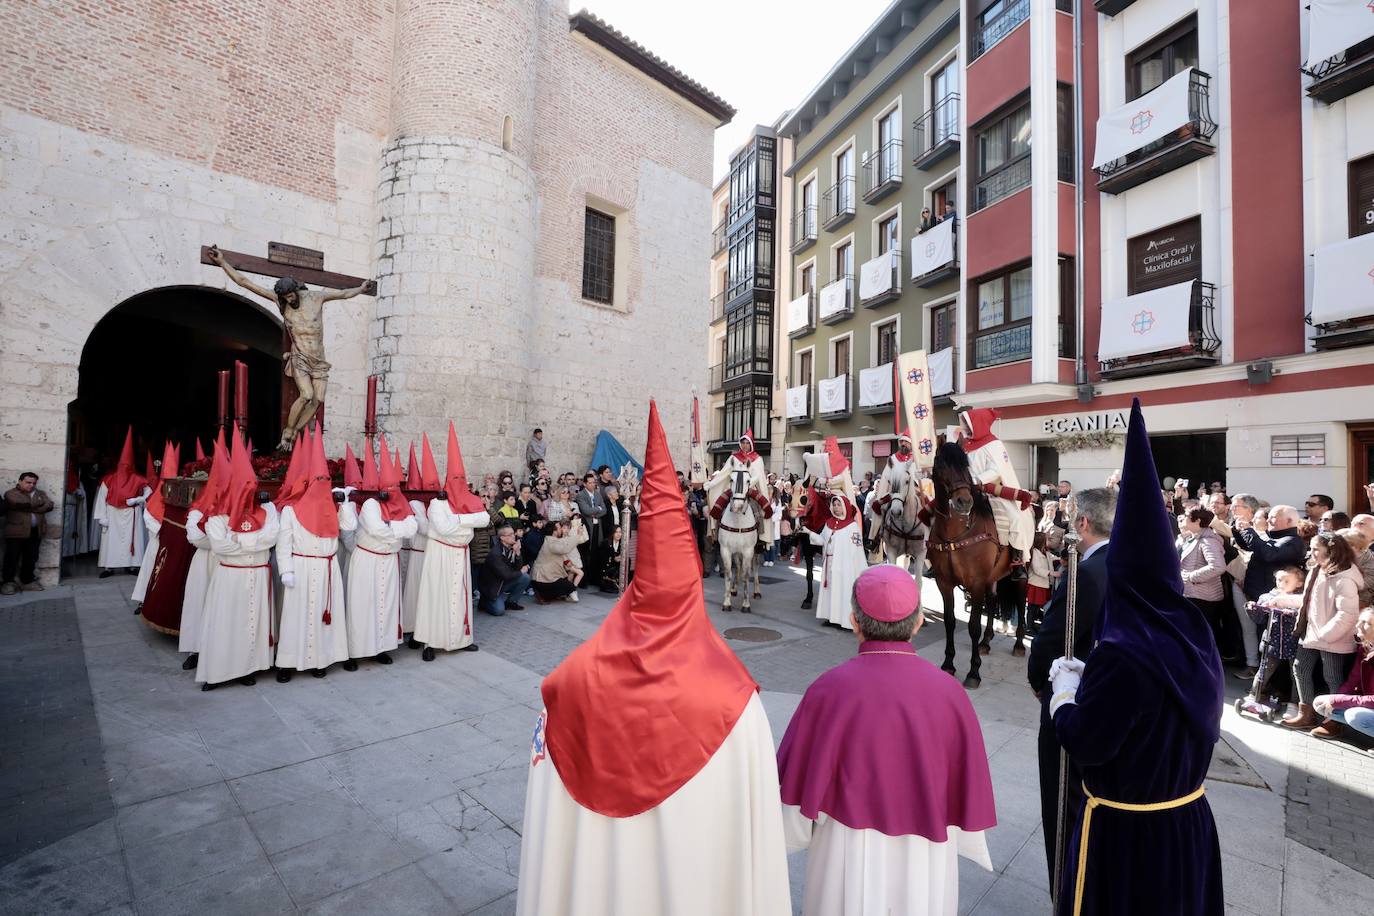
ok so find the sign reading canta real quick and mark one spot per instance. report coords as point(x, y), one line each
point(1085, 423)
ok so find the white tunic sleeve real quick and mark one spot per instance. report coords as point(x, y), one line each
point(370, 521)
point(195, 534)
point(796, 828)
point(286, 561)
point(404, 528)
point(421, 521)
point(348, 516)
point(100, 511)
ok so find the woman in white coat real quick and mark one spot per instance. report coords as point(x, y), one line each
point(374, 570)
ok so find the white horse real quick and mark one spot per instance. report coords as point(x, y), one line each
point(901, 531)
point(738, 534)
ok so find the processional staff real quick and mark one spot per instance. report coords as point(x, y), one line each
point(1061, 832)
point(629, 488)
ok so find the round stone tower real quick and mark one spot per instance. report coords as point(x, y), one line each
point(456, 232)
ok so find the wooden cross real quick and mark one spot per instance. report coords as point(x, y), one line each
point(304, 264)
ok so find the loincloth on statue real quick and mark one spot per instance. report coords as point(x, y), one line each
point(294, 362)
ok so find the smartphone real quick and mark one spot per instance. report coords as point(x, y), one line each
point(1183, 482)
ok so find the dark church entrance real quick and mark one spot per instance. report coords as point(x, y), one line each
point(152, 362)
point(1199, 458)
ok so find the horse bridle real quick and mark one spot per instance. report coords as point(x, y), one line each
point(946, 546)
point(906, 534)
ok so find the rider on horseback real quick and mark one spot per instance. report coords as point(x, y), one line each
point(992, 469)
point(718, 487)
point(893, 478)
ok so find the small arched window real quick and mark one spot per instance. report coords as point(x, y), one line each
point(508, 133)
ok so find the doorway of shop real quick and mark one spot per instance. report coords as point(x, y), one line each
point(1199, 458)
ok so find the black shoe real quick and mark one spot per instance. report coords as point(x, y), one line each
point(283, 675)
point(248, 680)
point(512, 606)
point(319, 672)
point(106, 573)
point(351, 665)
point(428, 654)
point(470, 647)
point(383, 658)
point(190, 663)
point(138, 609)
point(412, 644)
point(205, 687)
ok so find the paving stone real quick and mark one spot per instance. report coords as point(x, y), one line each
point(248, 889)
point(283, 784)
point(176, 813)
point(86, 887)
point(468, 882)
point(406, 890)
point(168, 861)
point(292, 824)
point(339, 861)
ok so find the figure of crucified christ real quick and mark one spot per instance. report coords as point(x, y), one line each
point(302, 311)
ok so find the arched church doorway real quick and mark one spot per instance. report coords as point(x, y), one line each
point(152, 363)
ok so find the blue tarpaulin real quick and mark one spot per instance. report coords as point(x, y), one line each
point(610, 452)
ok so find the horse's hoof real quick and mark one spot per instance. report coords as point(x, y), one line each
point(726, 608)
point(972, 683)
point(948, 669)
point(984, 648)
point(746, 610)
point(758, 594)
point(1018, 650)
point(806, 604)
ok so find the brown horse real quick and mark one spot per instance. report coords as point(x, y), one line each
point(964, 552)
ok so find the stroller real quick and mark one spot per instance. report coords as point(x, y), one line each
point(1277, 644)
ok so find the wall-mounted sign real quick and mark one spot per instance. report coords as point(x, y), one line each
point(1165, 256)
point(1085, 423)
point(1307, 450)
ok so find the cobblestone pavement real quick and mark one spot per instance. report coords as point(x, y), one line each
point(1330, 788)
point(401, 789)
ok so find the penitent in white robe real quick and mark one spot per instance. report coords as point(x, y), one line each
point(713, 848)
point(867, 873)
point(374, 582)
point(197, 584)
point(304, 641)
point(145, 569)
point(444, 612)
point(413, 564)
point(991, 464)
point(123, 540)
point(843, 558)
point(235, 636)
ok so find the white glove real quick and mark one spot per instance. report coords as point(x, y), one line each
point(288, 579)
point(344, 491)
point(136, 501)
point(1065, 676)
point(104, 523)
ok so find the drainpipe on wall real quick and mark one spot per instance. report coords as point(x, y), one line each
point(1080, 360)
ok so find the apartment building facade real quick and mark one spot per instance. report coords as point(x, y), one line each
point(1225, 273)
point(874, 173)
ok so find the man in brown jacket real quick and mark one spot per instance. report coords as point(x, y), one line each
point(25, 524)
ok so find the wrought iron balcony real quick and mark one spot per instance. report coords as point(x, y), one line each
point(801, 315)
point(883, 171)
point(834, 397)
point(1003, 183)
point(1191, 142)
point(880, 280)
point(935, 254)
point(1343, 75)
point(937, 132)
point(837, 202)
point(716, 380)
point(1342, 302)
point(718, 307)
point(1203, 347)
point(803, 228)
point(718, 238)
point(988, 33)
point(837, 300)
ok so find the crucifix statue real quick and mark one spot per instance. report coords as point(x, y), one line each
point(302, 312)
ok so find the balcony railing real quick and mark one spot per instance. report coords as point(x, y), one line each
point(937, 132)
point(935, 253)
point(718, 239)
point(838, 202)
point(716, 378)
point(988, 33)
point(803, 228)
point(837, 300)
point(1000, 346)
point(1342, 75)
point(883, 170)
point(880, 280)
point(718, 307)
point(1192, 141)
point(801, 315)
point(798, 406)
point(1342, 295)
point(834, 398)
point(1200, 350)
point(1003, 183)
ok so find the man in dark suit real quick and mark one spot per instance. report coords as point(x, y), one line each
point(504, 575)
point(1096, 511)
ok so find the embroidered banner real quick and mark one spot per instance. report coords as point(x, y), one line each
point(832, 394)
point(799, 313)
point(878, 276)
point(834, 298)
point(1343, 284)
point(942, 372)
point(932, 249)
point(1149, 322)
point(1335, 25)
point(798, 402)
point(918, 411)
point(875, 386)
point(1153, 116)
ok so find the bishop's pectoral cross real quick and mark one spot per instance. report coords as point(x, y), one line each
point(304, 365)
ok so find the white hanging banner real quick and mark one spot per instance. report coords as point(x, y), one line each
point(877, 276)
point(833, 298)
point(942, 372)
point(875, 386)
point(799, 313)
point(918, 411)
point(1153, 116)
point(1343, 286)
point(1335, 25)
point(833, 394)
point(932, 249)
point(796, 402)
point(1151, 322)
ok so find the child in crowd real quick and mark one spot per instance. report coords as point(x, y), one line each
point(1037, 581)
